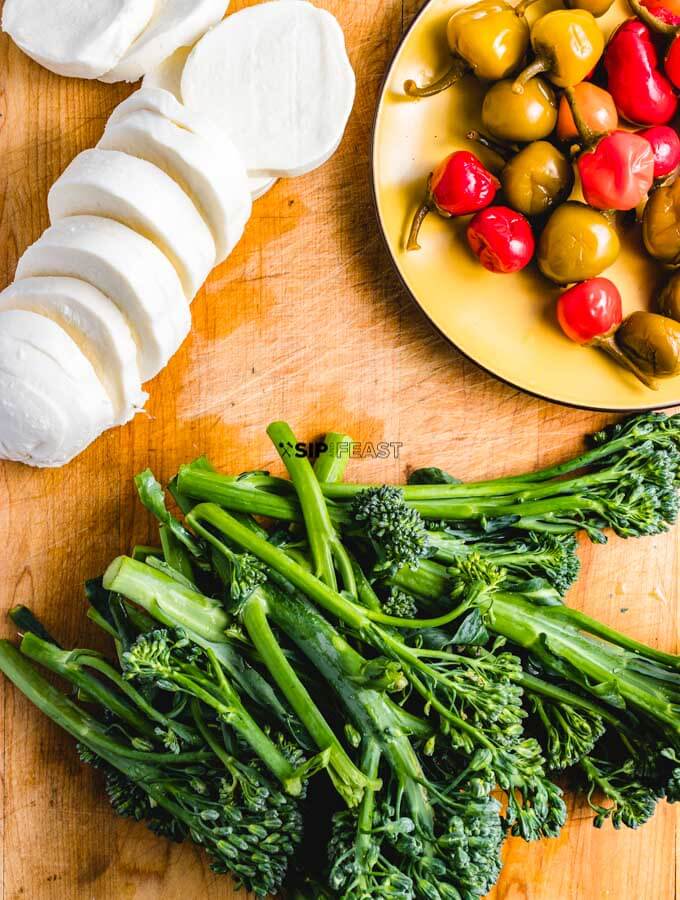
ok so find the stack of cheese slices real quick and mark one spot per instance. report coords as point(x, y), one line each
point(101, 301)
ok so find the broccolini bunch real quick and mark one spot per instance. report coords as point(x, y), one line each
point(391, 666)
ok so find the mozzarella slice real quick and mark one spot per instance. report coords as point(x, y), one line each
point(217, 184)
point(168, 74)
point(52, 405)
point(167, 77)
point(71, 37)
point(277, 78)
point(176, 23)
point(96, 325)
point(129, 269)
point(138, 194)
point(167, 103)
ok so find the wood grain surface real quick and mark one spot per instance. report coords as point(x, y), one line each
point(308, 322)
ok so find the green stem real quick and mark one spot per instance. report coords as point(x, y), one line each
point(320, 531)
point(61, 663)
point(533, 685)
point(158, 593)
point(370, 763)
point(348, 780)
point(586, 133)
point(331, 465)
point(648, 17)
point(454, 74)
point(70, 717)
point(371, 712)
point(175, 553)
point(324, 542)
point(592, 626)
point(224, 700)
point(544, 632)
point(429, 581)
point(272, 556)
point(238, 496)
point(92, 661)
point(537, 67)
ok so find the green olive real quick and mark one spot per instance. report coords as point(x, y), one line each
point(661, 224)
point(524, 117)
point(668, 301)
point(596, 8)
point(537, 179)
point(577, 243)
point(652, 342)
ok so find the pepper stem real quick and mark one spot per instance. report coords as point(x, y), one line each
point(608, 345)
point(654, 22)
point(506, 153)
point(540, 64)
point(458, 68)
point(586, 133)
point(422, 213)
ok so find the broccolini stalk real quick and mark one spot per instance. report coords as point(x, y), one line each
point(425, 820)
point(606, 670)
point(552, 557)
point(635, 435)
point(237, 494)
point(347, 779)
point(125, 702)
point(636, 497)
point(145, 586)
point(204, 621)
point(233, 819)
point(331, 465)
point(72, 719)
point(359, 866)
point(176, 664)
point(152, 496)
point(477, 703)
point(326, 547)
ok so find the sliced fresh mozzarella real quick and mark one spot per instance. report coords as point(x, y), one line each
point(166, 103)
point(52, 405)
point(168, 74)
point(138, 194)
point(277, 78)
point(70, 37)
point(96, 325)
point(218, 186)
point(129, 269)
point(158, 100)
point(176, 23)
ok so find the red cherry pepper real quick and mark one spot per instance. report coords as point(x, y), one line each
point(590, 314)
point(658, 15)
point(501, 239)
point(460, 185)
point(642, 93)
point(618, 172)
point(661, 15)
point(665, 145)
point(590, 311)
point(672, 62)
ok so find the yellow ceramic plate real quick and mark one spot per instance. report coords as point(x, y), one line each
point(505, 323)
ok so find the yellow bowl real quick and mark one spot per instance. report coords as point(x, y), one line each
point(505, 323)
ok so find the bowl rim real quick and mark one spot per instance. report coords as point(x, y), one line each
point(622, 410)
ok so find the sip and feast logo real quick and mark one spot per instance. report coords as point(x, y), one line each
point(342, 449)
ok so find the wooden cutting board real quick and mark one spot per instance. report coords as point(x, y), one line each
point(307, 322)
